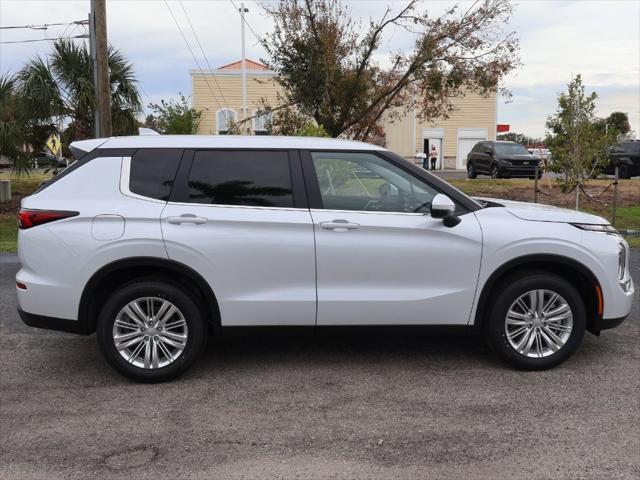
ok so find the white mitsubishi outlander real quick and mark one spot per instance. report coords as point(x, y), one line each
point(155, 241)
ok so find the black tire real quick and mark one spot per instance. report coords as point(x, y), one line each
point(623, 171)
point(506, 293)
point(494, 172)
point(188, 307)
point(471, 171)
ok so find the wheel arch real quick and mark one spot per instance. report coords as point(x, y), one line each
point(111, 276)
point(579, 275)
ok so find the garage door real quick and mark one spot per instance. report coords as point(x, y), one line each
point(464, 147)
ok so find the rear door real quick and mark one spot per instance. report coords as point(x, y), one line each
point(240, 218)
point(381, 257)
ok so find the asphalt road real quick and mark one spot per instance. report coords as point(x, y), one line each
point(352, 406)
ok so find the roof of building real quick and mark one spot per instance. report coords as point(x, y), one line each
point(223, 141)
point(250, 64)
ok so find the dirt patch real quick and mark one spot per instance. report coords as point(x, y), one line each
point(597, 195)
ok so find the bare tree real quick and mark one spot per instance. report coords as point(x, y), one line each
point(326, 62)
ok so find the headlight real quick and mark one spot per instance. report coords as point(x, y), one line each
point(622, 261)
point(596, 228)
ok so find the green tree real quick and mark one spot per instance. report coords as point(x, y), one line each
point(312, 130)
point(61, 87)
point(577, 144)
point(174, 116)
point(328, 68)
point(520, 138)
point(21, 129)
point(619, 121)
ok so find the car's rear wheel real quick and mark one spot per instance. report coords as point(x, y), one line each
point(471, 171)
point(623, 171)
point(494, 172)
point(151, 331)
point(537, 320)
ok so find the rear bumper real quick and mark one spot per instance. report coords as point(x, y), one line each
point(52, 323)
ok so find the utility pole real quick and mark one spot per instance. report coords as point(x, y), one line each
point(99, 54)
point(244, 69)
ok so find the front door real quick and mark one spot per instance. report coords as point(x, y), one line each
point(238, 221)
point(381, 258)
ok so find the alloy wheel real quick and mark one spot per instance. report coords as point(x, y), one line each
point(538, 323)
point(150, 332)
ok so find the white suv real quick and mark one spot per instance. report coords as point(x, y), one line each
point(155, 241)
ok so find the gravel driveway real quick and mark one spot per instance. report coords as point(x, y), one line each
point(355, 406)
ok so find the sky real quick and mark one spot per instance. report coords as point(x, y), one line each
point(599, 39)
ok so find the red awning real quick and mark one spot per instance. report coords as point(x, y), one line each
point(503, 127)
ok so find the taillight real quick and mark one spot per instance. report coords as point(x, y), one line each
point(33, 218)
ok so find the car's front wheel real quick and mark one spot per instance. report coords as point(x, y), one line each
point(151, 331)
point(471, 171)
point(537, 320)
point(494, 172)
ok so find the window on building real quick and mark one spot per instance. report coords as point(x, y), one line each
point(261, 120)
point(153, 171)
point(255, 178)
point(224, 119)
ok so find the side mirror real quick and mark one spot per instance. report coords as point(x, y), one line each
point(488, 152)
point(444, 208)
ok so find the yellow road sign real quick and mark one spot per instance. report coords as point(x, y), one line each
point(53, 143)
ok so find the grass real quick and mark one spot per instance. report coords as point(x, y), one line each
point(20, 187)
point(629, 218)
point(26, 184)
point(8, 233)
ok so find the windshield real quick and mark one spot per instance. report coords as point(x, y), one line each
point(510, 149)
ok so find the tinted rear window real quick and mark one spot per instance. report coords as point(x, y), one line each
point(153, 171)
point(255, 178)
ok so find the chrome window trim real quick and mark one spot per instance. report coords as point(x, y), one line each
point(222, 205)
point(410, 214)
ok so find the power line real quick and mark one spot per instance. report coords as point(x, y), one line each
point(41, 39)
point(195, 59)
point(246, 22)
point(44, 26)
point(193, 30)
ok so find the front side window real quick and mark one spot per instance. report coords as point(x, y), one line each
point(224, 120)
point(253, 178)
point(153, 171)
point(366, 182)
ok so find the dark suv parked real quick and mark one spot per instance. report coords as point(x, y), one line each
point(501, 160)
point(627, 156)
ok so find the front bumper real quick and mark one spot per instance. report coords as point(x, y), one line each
point(607, 323)
point(519, 170)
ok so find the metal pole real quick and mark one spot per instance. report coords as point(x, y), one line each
point(244, 68)
point(102, 86)
point(535, 193)
point(615, 196)
point(94, 65)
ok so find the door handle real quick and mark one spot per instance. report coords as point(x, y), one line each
point(186, 218)
point(339, 225)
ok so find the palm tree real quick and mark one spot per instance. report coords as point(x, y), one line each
point(62, 87)
point(20, 128)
